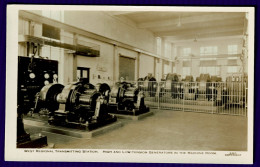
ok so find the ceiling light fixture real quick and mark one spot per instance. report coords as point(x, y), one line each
point(196, 38)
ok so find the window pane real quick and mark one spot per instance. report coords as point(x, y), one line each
point(233, 69)
point(209, 50)
point(232, 49)
point(186, 51)
point(159, 44)
point(85, 73)
point(186, 71)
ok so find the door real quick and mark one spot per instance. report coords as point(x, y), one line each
point(127, 68)
point(83, 74)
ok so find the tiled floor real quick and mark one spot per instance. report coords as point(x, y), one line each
point(166, 130)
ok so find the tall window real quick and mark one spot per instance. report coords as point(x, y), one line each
point(232, 49)
point(186, 71)
point(208, 50)
point(186, 52)
point(168, 50)
point(159, 45)
point(167, 69)
point(233, 69)
point(174, 70)
point(210, 70)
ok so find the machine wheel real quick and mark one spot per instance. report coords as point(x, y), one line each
point(47, 97)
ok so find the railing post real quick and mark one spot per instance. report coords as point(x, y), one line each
point(158, 94)
point(183, 91)
point(212, 98)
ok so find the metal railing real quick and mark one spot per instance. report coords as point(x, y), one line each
point(207, 97)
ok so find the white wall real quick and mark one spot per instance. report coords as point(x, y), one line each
point(107, 65)
point(105, 25)
point(102, 65)
point(146, 65)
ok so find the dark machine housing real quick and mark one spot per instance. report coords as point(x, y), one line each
point(172, 84)
point(148, 84)
point(236, 89)
point(203, 86)
point(125, 98)
point(190, 89)
point(78, 105)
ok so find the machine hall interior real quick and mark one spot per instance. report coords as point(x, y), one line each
point(136, 75)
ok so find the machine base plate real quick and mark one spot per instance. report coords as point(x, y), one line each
point(134, 117)
point(45, 127)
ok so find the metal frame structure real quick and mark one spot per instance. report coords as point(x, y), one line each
point(218, 98)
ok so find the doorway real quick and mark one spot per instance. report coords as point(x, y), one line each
point(83, 74)
point(127, 68)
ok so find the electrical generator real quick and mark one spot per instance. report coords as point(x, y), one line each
point(189, 88)
point(173, 85)
point(203, 86)
point(77, 105)
point(125, 98)
point(148, 84)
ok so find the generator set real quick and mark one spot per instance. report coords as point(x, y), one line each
point(203, 86)
point(148, 84)
point(236, 85)
point(189, 88)
point(77, 105)
point(33, 74)
point(216, 90)
point(125, 98)
point(172, 84)
point(206, 87)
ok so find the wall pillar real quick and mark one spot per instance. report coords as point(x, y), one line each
point(74, 60)
point(138, 64)
point(75, 67)
point(162, 55)
point(115, 64)
point(154, 66)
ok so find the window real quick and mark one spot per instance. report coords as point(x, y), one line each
point(186, 52)
point(210, 70)
point(186, 71)
point(82, 74)
point(232, 49)
point(167, 69)
point(233, 69)
point(208, 50)
point(168, 50)
point(174, 69)
point(159, 45)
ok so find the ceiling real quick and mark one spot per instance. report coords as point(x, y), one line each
point(181, 26)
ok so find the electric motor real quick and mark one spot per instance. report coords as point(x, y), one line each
point(77, 103)
point(125, 98)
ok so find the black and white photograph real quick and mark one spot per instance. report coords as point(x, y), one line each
point(130, 84)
